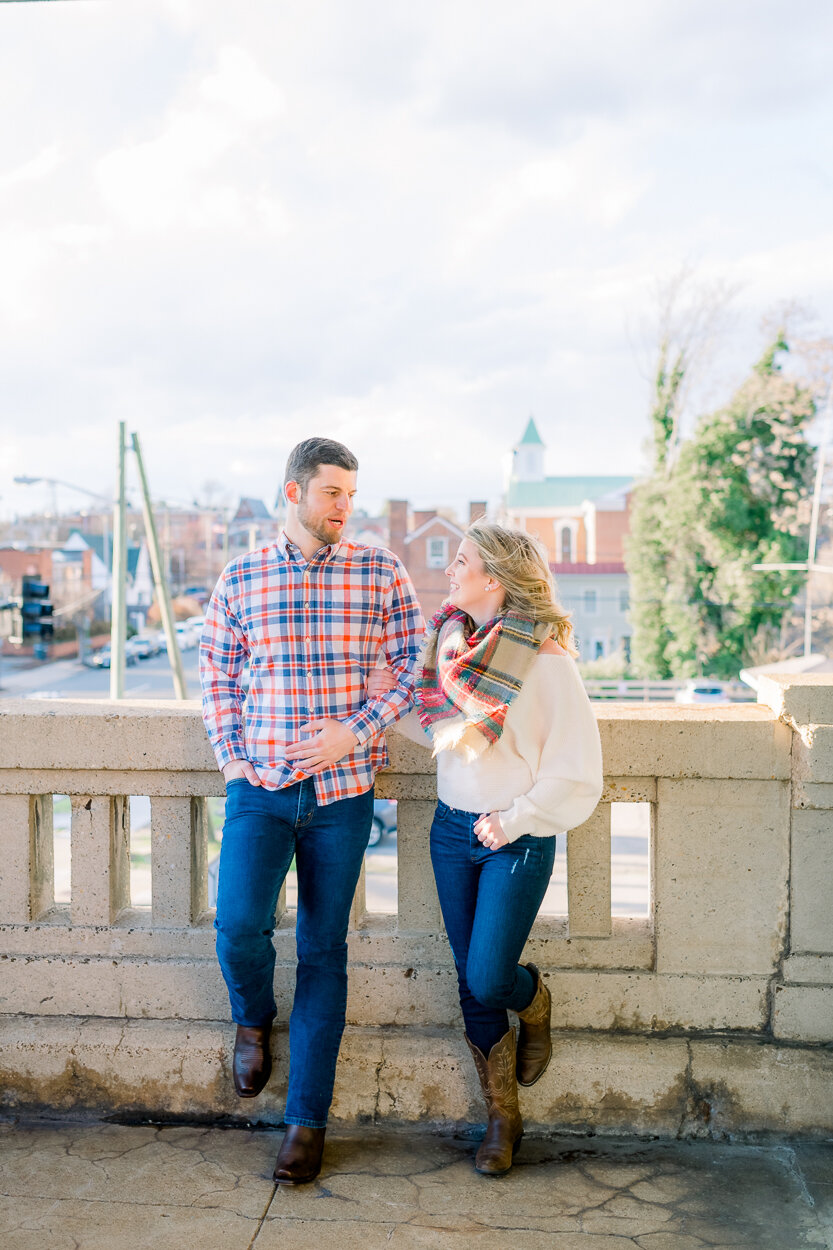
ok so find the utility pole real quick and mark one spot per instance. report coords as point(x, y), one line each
point(159, 579)
point(118, 623)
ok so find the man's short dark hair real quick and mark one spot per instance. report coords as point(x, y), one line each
point(306, 459)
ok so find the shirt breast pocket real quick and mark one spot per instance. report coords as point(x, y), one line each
point(352, 635)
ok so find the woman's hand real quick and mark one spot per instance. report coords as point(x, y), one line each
point(490, 831)
point(380, 681)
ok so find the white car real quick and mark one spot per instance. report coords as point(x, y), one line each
point(703, 690)
point(187, 635)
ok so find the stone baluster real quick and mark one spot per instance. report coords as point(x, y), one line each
point(100, 871)
point(418, 905)
point(178, 861)
point(27, 874)
point(358, 908)
point(588, 876)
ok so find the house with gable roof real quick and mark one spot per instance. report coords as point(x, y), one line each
point(425, 541)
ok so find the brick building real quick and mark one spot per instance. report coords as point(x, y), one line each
point(425, 542)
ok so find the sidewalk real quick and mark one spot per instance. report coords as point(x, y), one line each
point(77, 1186)
point(19, 678)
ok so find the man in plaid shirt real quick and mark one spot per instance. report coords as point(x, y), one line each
point(312, 614)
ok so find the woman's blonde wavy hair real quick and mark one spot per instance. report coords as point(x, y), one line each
point(519, 562)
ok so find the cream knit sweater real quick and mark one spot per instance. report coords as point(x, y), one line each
point(544, 774)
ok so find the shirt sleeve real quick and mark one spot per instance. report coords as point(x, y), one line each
point(223, 653)
point(402, 630)
point(568, 768)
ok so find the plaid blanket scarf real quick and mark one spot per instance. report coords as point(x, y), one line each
point(468, 677)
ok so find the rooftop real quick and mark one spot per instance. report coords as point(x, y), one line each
point(563, 492)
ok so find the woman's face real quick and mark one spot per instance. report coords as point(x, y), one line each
point(469, 586)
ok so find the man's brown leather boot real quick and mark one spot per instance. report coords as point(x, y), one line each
point(299, 1158)
point(500, 1089)
point(535, 1037)
point(252, 1063)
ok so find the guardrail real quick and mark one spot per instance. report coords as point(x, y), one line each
point(659, 691)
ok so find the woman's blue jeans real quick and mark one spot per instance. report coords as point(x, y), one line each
point(263, 830)
point(489, 900)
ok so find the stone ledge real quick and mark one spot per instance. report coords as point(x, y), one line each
point(152, 736)
point(390, 995)
point(801, 698)
point(707, 1087)
point(377, 942)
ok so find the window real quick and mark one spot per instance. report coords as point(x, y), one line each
point(626, 648)
point(624, 600)
point(598, 649)
point(567, 545)
point(437, 554)
point(590, 602)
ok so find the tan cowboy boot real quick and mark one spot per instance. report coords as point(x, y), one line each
point(535, 1038)
point(505, 1128)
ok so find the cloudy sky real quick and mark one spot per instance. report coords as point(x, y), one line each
point(405, 226)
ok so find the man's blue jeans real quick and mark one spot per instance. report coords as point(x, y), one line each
point(263, 829)
point(489, 900)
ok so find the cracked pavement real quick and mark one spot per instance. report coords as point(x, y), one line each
point(95, 1186)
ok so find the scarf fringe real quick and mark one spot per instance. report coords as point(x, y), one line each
point(459, 735)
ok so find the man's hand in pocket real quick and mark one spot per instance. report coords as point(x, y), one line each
point(240, 768)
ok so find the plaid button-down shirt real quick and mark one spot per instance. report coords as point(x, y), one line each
point(312, 630)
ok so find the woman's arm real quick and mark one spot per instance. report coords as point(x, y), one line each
point(560, 739)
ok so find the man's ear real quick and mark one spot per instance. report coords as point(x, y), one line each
point(292, 490)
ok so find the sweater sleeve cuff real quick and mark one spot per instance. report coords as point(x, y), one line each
point(513, 823)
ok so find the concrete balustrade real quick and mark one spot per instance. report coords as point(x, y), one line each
point(712, 1015)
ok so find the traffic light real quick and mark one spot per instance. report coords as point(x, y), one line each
point(35, 610)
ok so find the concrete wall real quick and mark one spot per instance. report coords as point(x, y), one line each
point(712, 1016)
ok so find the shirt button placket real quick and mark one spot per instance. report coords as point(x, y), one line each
point(308, 640)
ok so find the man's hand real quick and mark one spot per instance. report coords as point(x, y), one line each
point(331, 741)
point(490, 831)
point(240, 768)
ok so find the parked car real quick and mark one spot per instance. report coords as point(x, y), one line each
point(102, 657)
point(703, 690)
point(384, 820)
point(141, 647)
point(187, 635)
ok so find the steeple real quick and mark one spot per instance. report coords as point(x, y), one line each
point(531, 434)
point(528, 455)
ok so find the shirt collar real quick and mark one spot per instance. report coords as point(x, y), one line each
point(290, 551)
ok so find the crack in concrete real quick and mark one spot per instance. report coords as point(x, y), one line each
point(262, 1219)
point(378, 1078)
point(794, 1169)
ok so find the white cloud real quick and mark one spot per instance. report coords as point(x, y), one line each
point(177, 178)
point(40, 166)
point(233, 225)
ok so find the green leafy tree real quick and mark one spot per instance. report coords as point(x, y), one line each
point(734, 496)
point(689, 313)
point(648, 551)
point(737, 498)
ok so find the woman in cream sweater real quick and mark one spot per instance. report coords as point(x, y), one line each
point(518, 762)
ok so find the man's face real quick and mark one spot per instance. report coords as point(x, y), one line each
point(325, 505)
